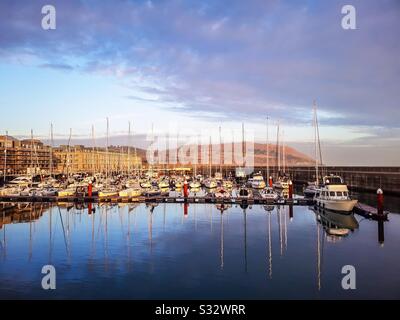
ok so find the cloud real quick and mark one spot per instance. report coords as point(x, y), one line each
point(236, 61)
point(57, 66)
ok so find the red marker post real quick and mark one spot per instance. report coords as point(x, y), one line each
point(290, 190)
point(90, 190)
point(270, 182)
point(185, 189)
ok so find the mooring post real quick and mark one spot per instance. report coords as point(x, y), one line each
point(290, 190)
point(90, 190)
point(270, 182)
point(379, 193)
point(185, 190)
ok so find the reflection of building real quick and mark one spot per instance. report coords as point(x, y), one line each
point(83, 159)
point(21, 212)
point(23, 156)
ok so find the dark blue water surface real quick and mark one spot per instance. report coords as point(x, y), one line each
point(158, 252)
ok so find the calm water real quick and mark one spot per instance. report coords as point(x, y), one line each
point(146, 252)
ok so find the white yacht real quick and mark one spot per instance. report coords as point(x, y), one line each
point(282, 183)
point(21, 182)
point(334, 195)
point(195, 184)
point(210, 183)
point(269, 194)
point(258, 181)
point(131, 192)
point(221, 193)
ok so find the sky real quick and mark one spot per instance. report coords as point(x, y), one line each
point(198, 65)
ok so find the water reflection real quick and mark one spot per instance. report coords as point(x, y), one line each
point(218, 244)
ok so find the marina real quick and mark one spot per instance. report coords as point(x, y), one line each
point(181, 151)
point(193, 251)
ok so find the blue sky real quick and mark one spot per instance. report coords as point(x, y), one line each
point(201, 64)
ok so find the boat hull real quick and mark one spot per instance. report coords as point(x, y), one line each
point(337, 205)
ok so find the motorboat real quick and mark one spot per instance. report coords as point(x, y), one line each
point(269, 194)
point(227, 184)
point(282, 183)
point(210, 183)
point(152, 192)
point(108, 193)
point(244, 193)
point(163, 184)
point(130, 193)
point(257, 181)
point(195, 184)
point(334, 195)
point(145, 184)
point(221, 193)
point(310, 190)
point(21, 182)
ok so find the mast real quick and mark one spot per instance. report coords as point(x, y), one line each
point(152, 141)
point(319, 141)
point(5, 159)
point(220, 151)
point(278, 158)
point(31, 148)
point(243, 143)
point(210, 157)
point(129, 148)
point(136, 164)
point(267, 149)
point(283, 152)
point(315, 143)
point(68, 160)
point(51, 150)
point(93, 151)
point(107, 153)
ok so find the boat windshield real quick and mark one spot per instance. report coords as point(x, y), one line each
point(333, 180)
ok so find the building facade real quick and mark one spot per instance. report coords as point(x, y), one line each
point(77, 159)
point(27, 156)
point(31, 156)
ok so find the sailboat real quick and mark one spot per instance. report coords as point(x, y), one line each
point(108, 191)
point(282, 182)
point(268, 192)
point(210, 183)
point(195, 183)
point(312, 187)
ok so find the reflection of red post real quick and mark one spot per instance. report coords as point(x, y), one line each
point(185, 209)
point(90, 208)
point(290, 212)
point(90, 189)
point(270, 181)
point(379, 193)
point(185, 189)
point(290, 190)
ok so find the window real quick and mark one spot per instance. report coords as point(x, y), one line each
point(332, 194)
point(345, 194)
point(339, 193)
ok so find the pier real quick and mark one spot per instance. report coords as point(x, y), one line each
point(159, 199)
